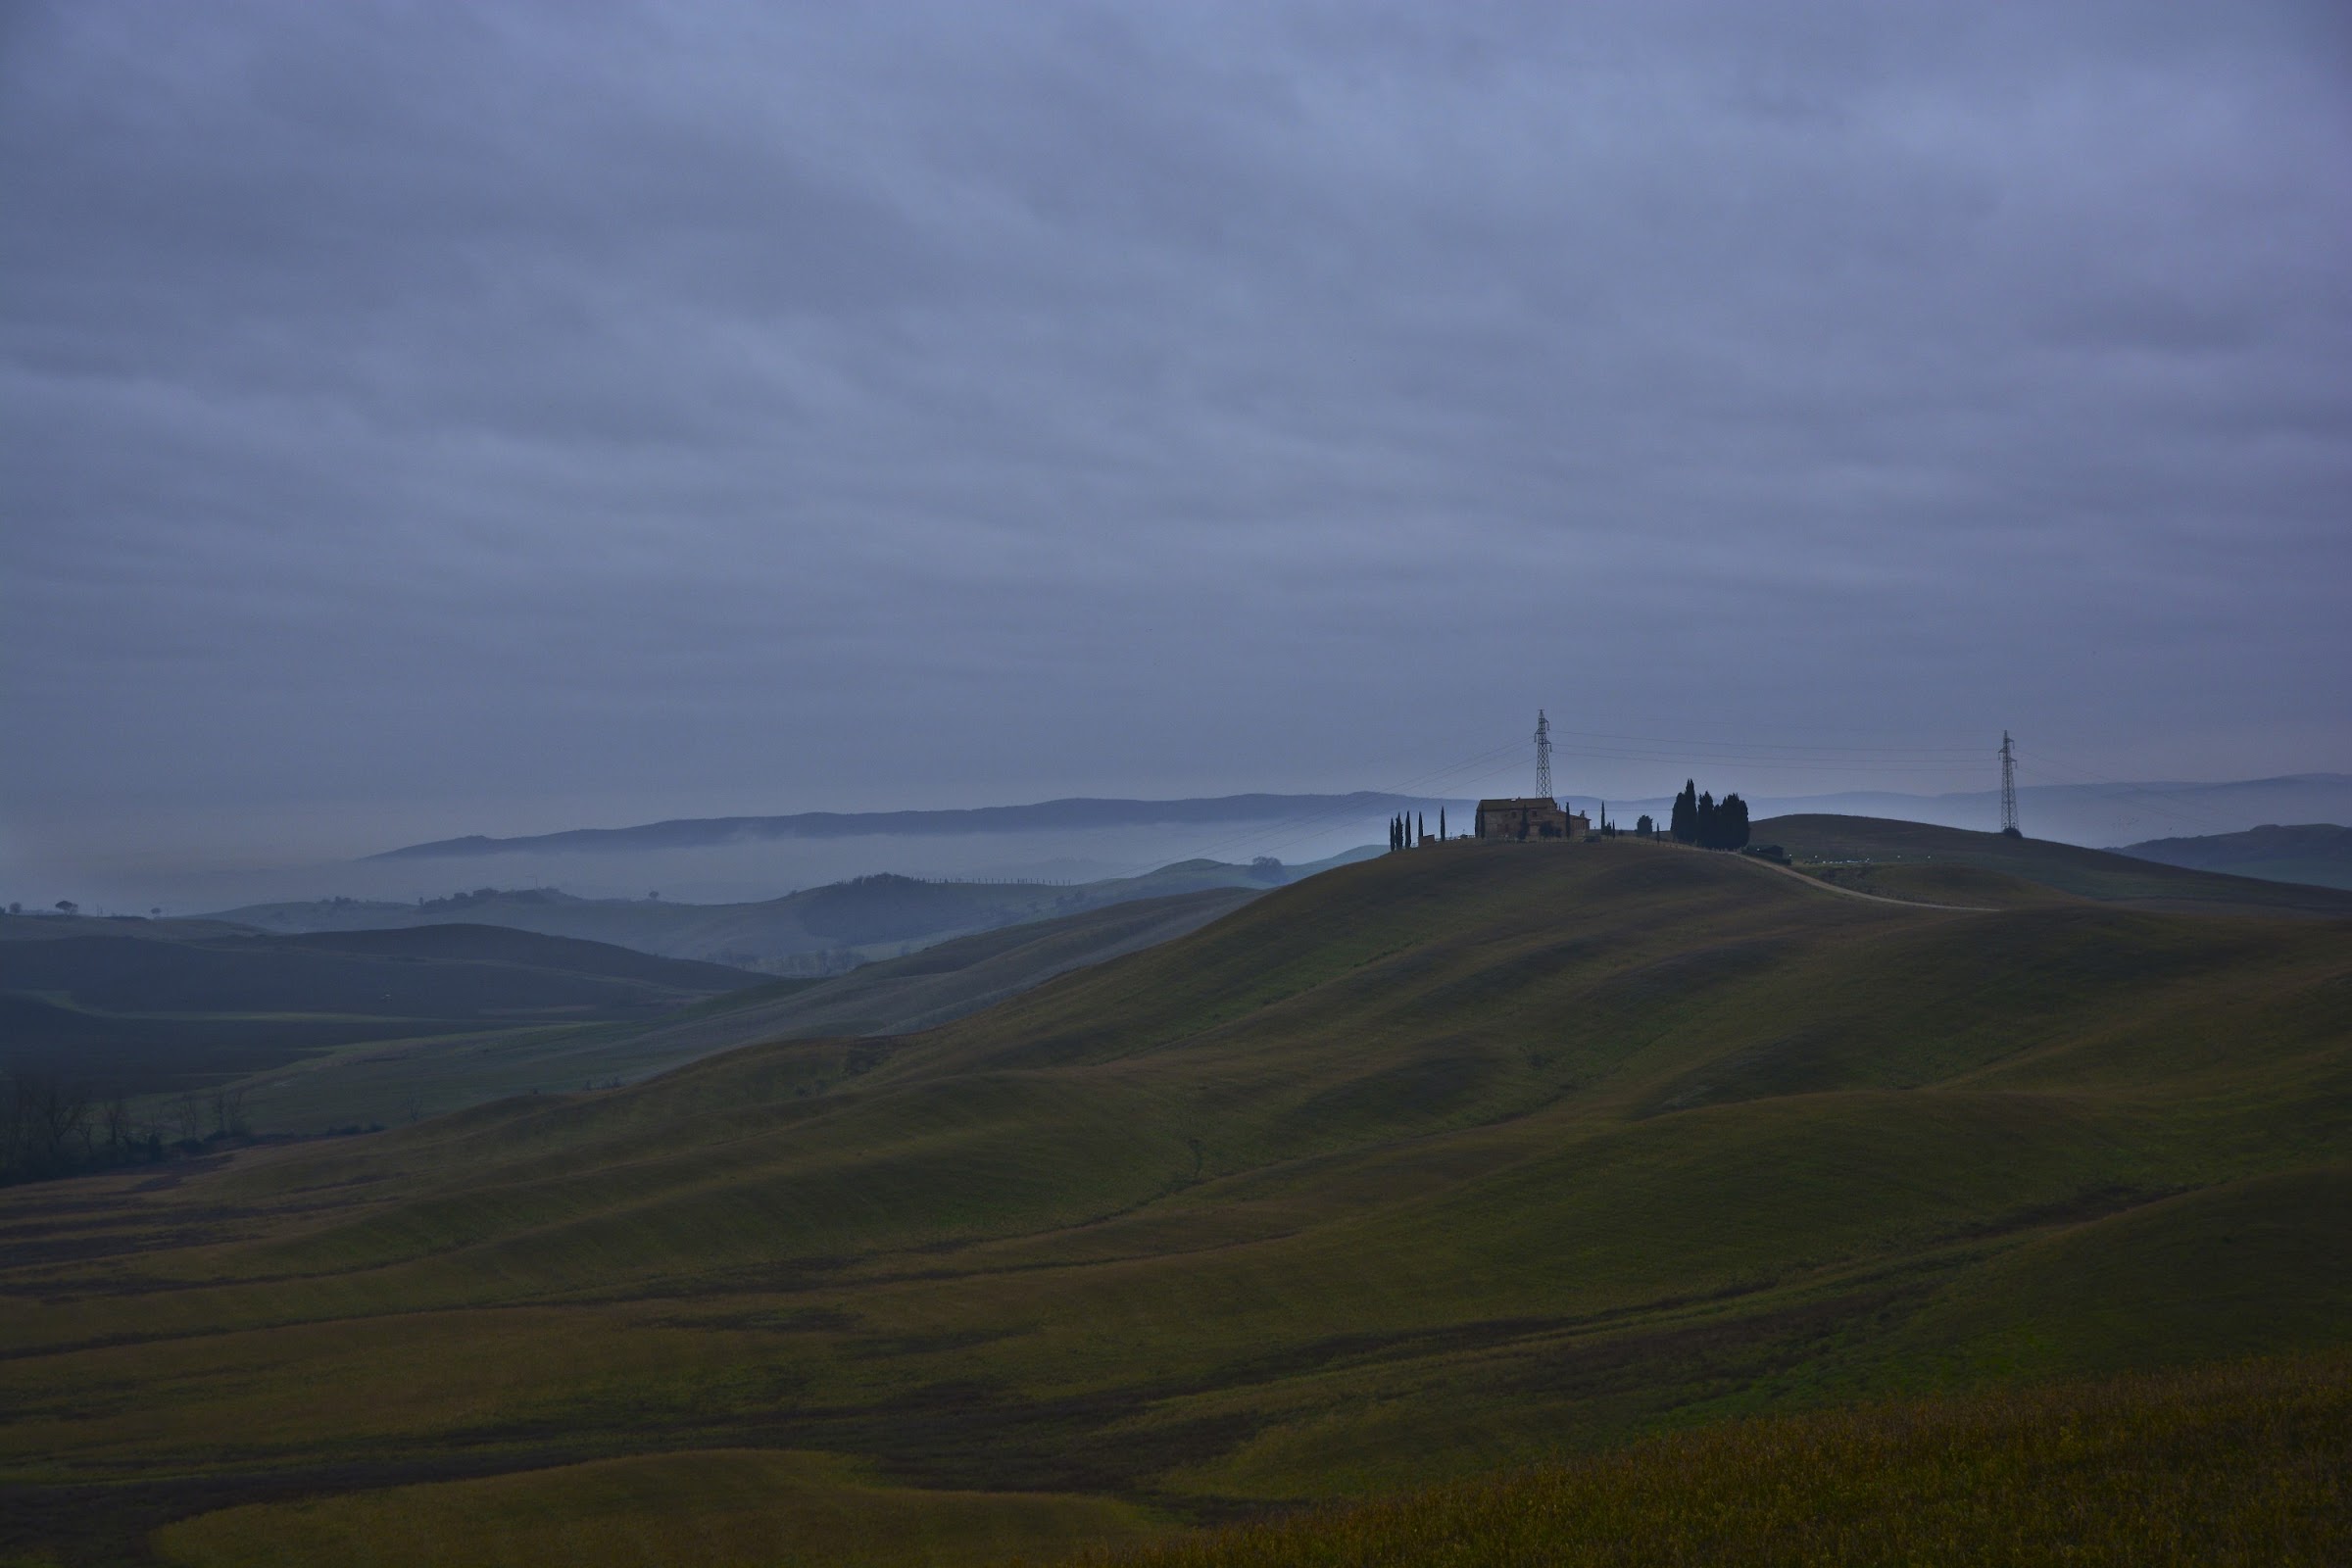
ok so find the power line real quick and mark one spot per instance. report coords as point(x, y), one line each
point(1784, 746)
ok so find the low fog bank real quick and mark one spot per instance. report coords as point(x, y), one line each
point(2098, 816)
point(729, 873)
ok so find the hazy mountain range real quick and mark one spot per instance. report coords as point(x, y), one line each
point(2068, 812)
point(816, 931)
point(1075, 815)
point(742, 859)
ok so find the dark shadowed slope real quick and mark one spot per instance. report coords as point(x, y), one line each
point(2316, 852)
point(1449, 1160)
point(1872, 853)
point(145, 1014)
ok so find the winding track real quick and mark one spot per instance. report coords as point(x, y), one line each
point(1855, 893)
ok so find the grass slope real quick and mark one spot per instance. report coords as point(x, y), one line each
point(1445, 1162)
point(728, 1508)
point(2238, 1464)
point(1876, 855)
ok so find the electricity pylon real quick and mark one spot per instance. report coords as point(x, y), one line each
point(2009, 788)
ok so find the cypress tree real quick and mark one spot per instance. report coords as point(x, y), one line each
point(1440, 824)
point(1732, 819)
point(1420, 828)
point(1684, 825)
point(1707, 820)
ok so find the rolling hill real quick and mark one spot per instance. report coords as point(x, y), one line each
point(2317, 852)
point(1443, 1162)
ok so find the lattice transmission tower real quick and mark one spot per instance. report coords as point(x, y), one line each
point(1543, 754)
point(2009, 787)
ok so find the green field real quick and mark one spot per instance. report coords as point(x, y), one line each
point(1445, 1163)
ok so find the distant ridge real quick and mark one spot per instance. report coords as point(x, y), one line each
point(2315, 852)
point(2079, 813)
point(1064, 816)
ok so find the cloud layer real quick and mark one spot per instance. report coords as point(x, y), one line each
point(436, 419)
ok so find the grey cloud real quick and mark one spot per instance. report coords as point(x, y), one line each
point(942, 404)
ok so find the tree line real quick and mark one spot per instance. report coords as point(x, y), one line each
point(51, 1125)
point(1711, 824)
point(1411, 829)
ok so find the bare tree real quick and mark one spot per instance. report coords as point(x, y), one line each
point(47, 1117)
point(114, 1109)
point(229, 1111)
point(12, 1123)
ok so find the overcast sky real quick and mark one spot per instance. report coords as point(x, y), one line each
point(426, 418)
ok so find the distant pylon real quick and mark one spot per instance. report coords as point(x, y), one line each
point(1543, 754)
point(2009, 787)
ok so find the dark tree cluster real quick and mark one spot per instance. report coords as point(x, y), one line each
point(1707, 822)
point(51, 1126)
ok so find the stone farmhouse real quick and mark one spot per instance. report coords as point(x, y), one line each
point(1533, 816)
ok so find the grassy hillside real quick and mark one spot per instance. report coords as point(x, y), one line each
point(1875, 854)
point(815, 931)
point(384, 1083)
point(1450, 1161)
point(2242, 1463)
point(153, 1015)
point(2316, 852)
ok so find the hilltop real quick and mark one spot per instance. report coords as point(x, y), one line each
point(1441, 1162)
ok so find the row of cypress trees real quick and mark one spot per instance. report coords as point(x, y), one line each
point(1411, 827)
point(1707, 822)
